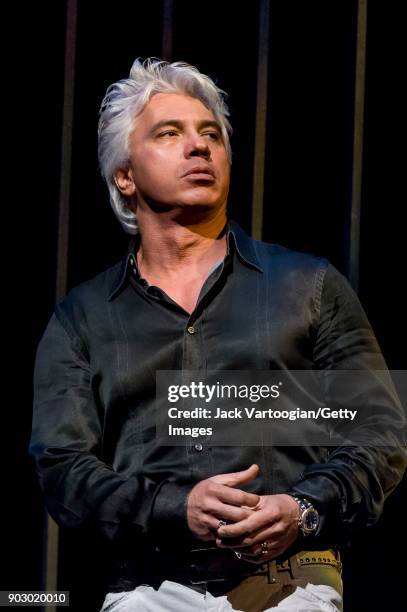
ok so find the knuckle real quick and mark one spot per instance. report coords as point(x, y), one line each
point(206, 505)
point(273, 516)
point(212, 487)
point(207, 490)
point(240, 497)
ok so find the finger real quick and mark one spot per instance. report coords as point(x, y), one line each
point(257, 521)
point(264, 549)
point(234, 479)
point(273, 533)
point(255, 554)
point(215, 493)
point(241, 545)
point(259, 559)
point(212, 523)
point(235, 544)
point(237, 497)
point(252, 552)
point(263, 552)
point(229, 513)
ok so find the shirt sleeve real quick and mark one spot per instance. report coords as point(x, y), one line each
point(349, 488)
point(66, 442)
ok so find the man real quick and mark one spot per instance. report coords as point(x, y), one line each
point(199, 526)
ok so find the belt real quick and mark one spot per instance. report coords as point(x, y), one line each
point(311, 557)
point(215, 569)
point(209, 565)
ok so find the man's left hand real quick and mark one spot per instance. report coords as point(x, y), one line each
point(267, 532)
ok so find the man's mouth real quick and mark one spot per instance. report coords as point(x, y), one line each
point(201, 172)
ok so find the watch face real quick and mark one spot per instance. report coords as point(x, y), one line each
point(310, 520)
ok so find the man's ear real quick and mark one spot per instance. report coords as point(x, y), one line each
point(123, 177)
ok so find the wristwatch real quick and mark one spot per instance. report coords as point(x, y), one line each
point(308, 520)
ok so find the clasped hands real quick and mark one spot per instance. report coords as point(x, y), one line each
point(258, 527)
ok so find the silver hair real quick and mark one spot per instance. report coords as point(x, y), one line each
point(126, 99)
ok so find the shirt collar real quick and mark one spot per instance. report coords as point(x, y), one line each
point(125, 267)
point(244, 244)
point(245, 247)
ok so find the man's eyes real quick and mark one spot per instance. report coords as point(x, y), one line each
point(168, 133)
point(212, 135)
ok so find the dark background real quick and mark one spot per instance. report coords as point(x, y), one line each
point(308, 178)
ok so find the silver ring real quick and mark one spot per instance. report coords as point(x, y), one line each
point(221, 523)
point(264, 548)
point(238, 555)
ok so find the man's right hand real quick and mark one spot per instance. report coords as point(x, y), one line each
point(217, 498)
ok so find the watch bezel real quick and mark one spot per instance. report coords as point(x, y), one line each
point(306, 508)
point(305, 517)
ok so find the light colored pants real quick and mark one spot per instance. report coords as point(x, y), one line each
point(173, 597)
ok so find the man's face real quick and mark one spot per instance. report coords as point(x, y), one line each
point(177, 155)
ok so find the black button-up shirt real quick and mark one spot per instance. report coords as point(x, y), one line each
point(263, 307)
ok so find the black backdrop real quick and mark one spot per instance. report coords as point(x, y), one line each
point(307, 199)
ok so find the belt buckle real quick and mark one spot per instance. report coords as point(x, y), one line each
point(212, 571)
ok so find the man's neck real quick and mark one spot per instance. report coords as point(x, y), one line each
point(168, 248)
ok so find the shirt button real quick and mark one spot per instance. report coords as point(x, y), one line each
point(198, 447)
point(132, 262)
point(191, 330)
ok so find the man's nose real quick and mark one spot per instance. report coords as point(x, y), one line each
point(198, 147)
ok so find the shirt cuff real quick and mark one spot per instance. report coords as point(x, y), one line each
point(320, 492)
point(169, 516)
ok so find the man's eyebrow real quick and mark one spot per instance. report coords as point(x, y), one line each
point(210, 123)
point(179, 124)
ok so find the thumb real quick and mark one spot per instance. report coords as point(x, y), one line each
point(234, 479)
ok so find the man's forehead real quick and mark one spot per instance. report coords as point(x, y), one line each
point(174, 106)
